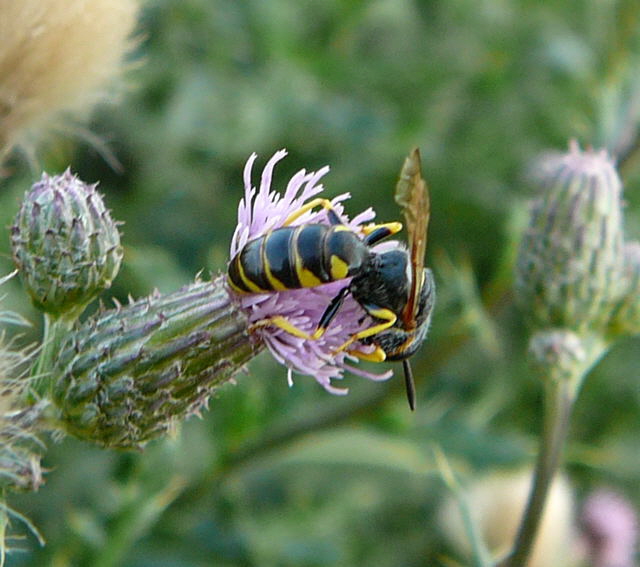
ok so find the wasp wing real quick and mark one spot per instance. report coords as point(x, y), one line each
point(412, 195)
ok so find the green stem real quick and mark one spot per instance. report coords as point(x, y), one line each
point(562, 379)
point(480, 553)
point(54, 331)
point(133, 521)
point(559, 398)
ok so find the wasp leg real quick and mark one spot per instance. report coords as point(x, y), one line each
point(319, 202)
point(284, 324)
point(329, 314)
point(388, 319)
point(375, 232)
point(377, 355)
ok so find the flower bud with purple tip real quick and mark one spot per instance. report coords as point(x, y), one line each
point(569, 271)
point(65, 245)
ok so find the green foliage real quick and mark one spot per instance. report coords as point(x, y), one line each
point(278, 476)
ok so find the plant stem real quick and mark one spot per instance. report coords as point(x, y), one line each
point(134, 519)
point(480, 553)
point(54, 331)
point(562, 361)
point(559, 398)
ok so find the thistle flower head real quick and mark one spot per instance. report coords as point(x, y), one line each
point(557, 353)
point(58, 59)
point(262, 210)
point(610, 525)
point(570, 260)
point(65, 244)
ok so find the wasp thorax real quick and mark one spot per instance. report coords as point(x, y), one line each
point(383, 281)
point(402, 341)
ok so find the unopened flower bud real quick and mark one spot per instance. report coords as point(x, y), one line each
point(626, 319)
point(65, 244)
point(129, 374)
point(570, 260)
point(19, 448)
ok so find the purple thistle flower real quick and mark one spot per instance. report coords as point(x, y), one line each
point(610, 526)
point(262, 210)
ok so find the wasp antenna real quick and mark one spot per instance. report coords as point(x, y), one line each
point(409, 384)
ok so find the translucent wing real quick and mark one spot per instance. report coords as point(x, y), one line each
point(412, 195)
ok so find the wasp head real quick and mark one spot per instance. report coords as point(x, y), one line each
point(385, 282)
point(401, 341)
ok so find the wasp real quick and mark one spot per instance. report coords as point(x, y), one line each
point(393, 287)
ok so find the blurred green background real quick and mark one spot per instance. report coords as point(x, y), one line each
point(279, 476)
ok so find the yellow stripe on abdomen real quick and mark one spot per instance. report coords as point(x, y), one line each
point(274, 282)
point(339, 268)
point(247, 282)
point(306, 277)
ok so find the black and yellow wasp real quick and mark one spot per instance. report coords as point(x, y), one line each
point(393, 287)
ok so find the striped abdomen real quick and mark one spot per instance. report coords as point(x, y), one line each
point(293, 257)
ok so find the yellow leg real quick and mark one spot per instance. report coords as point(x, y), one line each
point(376, 232)
point(319, 202)
point(392, 227)
point(286, 325)
point(389, 318)
point(377, 355)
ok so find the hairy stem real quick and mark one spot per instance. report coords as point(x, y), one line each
point(559, 398)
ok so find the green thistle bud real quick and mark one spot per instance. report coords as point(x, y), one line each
point(129, 374)
point(65, 245)
point(569, 265)
point(626, 320)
